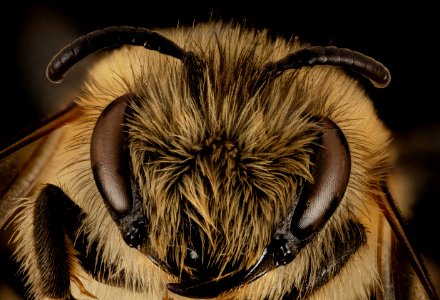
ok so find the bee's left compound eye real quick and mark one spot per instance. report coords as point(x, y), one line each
point(317, 201)
point(331, 173)
point(111, 170)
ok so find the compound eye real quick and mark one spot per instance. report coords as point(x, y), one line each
point(331, 172)
point(109, 158)
point(112, 173)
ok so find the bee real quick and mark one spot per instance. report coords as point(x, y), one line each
point(212, 162)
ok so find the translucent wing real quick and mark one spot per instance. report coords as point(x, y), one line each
point(399, 257)
point(22, 162)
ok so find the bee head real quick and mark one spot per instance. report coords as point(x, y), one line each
point(215, 176)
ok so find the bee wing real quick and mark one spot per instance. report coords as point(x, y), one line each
point(22, 162)
point(40, 129)
point(400, 254)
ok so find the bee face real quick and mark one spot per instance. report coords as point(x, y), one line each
point(219, 162)
point(220, 171)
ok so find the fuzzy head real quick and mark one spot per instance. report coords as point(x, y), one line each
point(221, 146)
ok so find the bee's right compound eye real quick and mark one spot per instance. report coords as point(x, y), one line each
point(109, 158)
point(111, 170)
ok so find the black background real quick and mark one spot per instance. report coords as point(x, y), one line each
point(401, 36)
